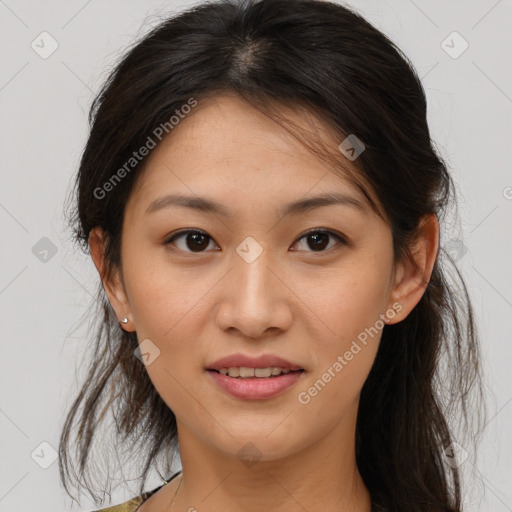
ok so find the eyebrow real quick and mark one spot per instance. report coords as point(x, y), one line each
point(301, 206)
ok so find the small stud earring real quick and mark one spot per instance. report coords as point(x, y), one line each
point(125, 320)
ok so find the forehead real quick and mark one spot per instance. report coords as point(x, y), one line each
point(227, 146)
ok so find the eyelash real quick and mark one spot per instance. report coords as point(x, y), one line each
point(180, 234)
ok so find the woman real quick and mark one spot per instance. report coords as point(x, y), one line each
point(261, 198)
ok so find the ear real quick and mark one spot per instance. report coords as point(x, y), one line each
point(413, 274)
point(112, 281)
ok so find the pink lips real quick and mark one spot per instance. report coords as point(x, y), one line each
point(255, 388)
point(263, 361)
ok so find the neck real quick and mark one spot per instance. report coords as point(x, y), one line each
point(323, 476)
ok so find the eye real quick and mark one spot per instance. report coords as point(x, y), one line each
point(198, 241)
point(317, 239)
point(195, 240)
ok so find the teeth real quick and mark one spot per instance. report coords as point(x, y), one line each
point(245, 372)
point(262, 372)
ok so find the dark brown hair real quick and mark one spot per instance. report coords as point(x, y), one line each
point(329, 60)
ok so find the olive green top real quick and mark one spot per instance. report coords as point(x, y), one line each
point(133, 504)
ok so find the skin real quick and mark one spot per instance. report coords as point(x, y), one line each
point(302, 304)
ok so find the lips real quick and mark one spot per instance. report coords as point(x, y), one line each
point(263, 361)
point(255, 388)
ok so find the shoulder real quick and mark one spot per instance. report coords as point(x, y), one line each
point(133, 504)
point(128, 506)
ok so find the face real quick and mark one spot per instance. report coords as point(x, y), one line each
point(312, 286)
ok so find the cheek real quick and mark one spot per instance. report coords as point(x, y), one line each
point(344, 350)
point(350, 299)
point(164, 298)
point(348, 306)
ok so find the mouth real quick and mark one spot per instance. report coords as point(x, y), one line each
point(254, 378)
point(255, 383)
point(246, 366)
point(244, 372)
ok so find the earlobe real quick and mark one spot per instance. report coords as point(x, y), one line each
point(112, 282)
point(413, 274)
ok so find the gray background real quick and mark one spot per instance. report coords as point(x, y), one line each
point(44, 104)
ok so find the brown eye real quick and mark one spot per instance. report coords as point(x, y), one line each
point(318, 240)
point(198, 241)
point(195, 241)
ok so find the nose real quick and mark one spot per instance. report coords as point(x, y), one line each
point(255, 299)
